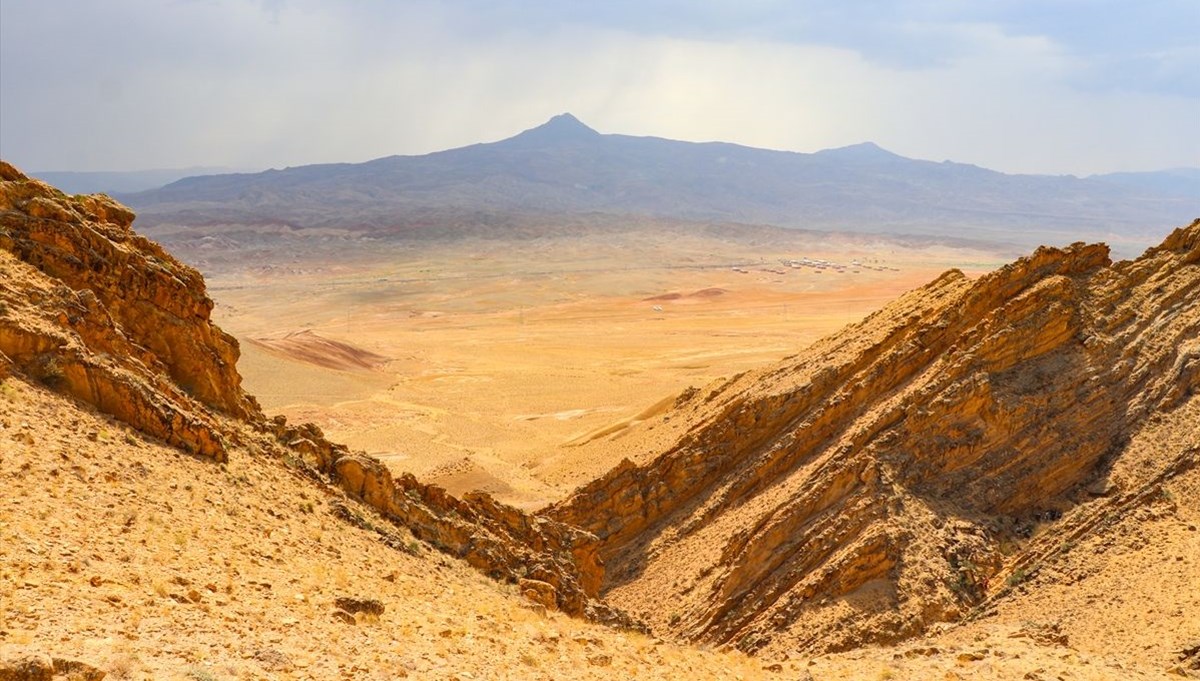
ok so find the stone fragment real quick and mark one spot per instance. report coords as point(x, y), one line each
point(369, 606)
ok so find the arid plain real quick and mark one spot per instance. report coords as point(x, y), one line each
point(516, 366)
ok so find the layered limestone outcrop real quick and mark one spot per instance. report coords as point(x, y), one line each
point(106, 316)
point(889, 476)
point(96, 311)
point(500, 540)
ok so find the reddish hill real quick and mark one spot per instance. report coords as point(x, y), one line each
point(306, 346)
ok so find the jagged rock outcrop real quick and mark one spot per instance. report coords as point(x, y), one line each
point(40, 667)
point(882, 479)
point(98, 312)
point(499, 540)
point(160, 305)
point(105, 315)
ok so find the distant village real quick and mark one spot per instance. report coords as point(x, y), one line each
point(820, 266)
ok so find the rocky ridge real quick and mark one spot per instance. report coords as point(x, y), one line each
point(95, 311)
point(893, 475)
point(112, 319)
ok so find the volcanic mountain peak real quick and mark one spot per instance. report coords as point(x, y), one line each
point(561, 129)
point(861, 152)
point(564, 169)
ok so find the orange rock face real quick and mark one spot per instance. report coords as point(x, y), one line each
point(499, 540)
point(889, 476)
point(107, 316)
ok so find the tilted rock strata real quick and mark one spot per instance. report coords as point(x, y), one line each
point(106, 316)
point(102, 314)
point(857, 492)
point(500, 540)
point(865, 488)
point(40, 667)
point(160, 304)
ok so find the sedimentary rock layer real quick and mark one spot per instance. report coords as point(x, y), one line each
point(880, 480)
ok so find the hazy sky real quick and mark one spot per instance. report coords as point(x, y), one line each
point(1052, 86)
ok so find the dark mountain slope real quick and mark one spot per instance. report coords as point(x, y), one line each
point(563, 167)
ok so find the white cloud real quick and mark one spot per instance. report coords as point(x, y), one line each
point(135, 84)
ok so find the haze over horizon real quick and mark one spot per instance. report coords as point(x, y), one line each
point(1057, 87)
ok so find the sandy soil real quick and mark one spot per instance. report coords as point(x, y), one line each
point(513, 367)
point(146, 563)
point(150, 564)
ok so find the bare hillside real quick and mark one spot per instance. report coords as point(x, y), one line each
point(915, 467)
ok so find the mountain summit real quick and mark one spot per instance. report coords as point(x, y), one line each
point(561, 129)
point(868, 152)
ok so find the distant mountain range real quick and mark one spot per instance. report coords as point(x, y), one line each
point(1174, 182)
point(563, 167)
point(121, 181)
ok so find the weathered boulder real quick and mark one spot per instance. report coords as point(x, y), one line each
point(354, 605)
point(35, 666)
point(539, 592)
